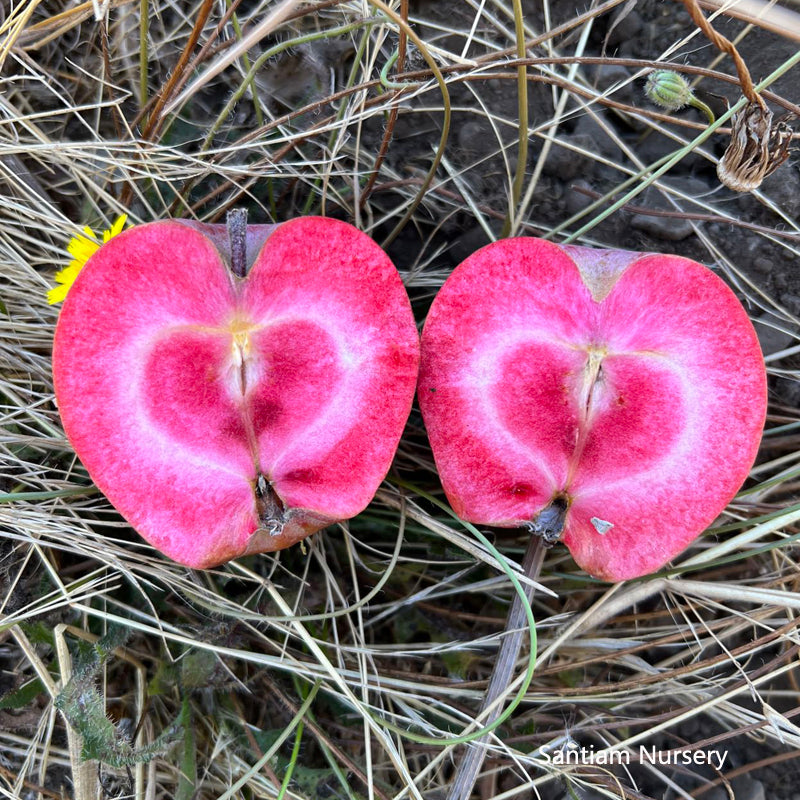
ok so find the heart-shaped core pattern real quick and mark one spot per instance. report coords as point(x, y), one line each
point(224, 416)
point(245, 382)
point(628, 388)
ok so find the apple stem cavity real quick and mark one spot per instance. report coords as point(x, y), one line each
point(548, 523)
point(237, 235)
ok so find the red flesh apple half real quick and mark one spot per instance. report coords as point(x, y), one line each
point(627, 388)
point(225, 416)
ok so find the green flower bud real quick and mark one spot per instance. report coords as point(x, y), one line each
point(668, 89)
point(671, 91)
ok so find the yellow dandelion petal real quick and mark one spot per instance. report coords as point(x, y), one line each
point(69, 273)
point(81, 247)
point(115, 229)
point(57, 293)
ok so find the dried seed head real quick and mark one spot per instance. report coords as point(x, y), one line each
point(759, 145)
point(668, 89)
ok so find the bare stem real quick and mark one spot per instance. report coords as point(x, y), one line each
point(522, 95)
point(402, 41)
point(516, 630)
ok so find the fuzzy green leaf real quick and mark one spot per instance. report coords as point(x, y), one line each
point(84, 709)
point(23, 696)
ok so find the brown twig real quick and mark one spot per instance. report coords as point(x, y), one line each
point(390, 123)
point(266, 768)
point(108, 80)
point(211, 48)
point(454, 70)
point(726, 46)
point(155, 121)
point(657, 212)
point(420, 75)
point(207, 47)
point(34, 787)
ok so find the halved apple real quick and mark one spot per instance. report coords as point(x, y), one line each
point(623, 392)
point(223, 416)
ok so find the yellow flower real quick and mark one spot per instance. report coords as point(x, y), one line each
point(81, 248)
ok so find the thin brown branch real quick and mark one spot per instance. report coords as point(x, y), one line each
point(725, 45)
point(155, 121)
point(108, 81)
point(390, 123)
point(34, 787)
point(207, 47)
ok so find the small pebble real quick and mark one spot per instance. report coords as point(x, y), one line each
point(671, 229)
point(772, 339)
point(627, 27)
point(566, 163)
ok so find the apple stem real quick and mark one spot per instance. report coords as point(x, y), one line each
point(237, 235)
point(543, 535)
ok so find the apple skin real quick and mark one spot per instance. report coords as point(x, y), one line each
point(629, 387)
point(225, 416)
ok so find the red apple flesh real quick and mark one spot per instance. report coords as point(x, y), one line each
point(225, 416)
point(628, 388)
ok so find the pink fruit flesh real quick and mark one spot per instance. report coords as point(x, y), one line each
point(224, 416)
point(632, 387)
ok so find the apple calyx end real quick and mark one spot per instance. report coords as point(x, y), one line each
point(271, 511)
point(279, 524)
point(549, 523)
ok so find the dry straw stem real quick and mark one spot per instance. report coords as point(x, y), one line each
point(34, 37)
point(654, 212)
point(154, 121)
point(270, 23)
point(484, 75)
point(767, 15)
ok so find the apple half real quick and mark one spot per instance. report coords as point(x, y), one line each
point(224, 416)
point(620, 394)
